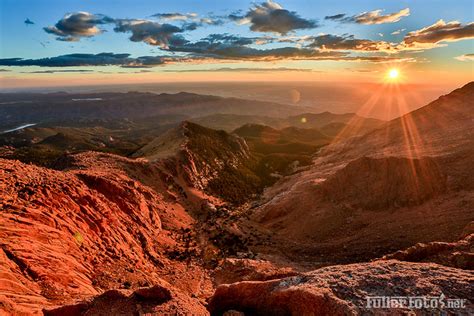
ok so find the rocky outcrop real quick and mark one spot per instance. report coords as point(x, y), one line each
point(342, 290)
point(459, 254)
point(159, 299)
point(382, 183)
point(233, 270)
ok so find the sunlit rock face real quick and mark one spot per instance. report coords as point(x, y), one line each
point(68, 235)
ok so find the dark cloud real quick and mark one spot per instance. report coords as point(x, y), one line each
point(152, 33)
point(271, 17)
point(174, 16)
point(335, 17)
point(348, 42)
point(4, 70)
point(28, 22)
point(191, 26)
point(75, 60)
point(58, 71)
point(206, 49)
point(216, 45)
point(198, 53)
point(439, 32)
point(146, 62)
point(370, 17)
point(74, 26)
point(225, 46)
point(229, 39)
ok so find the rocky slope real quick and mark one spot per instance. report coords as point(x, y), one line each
point(67, 235)
point(407, 182)
point(412, 182)
point(99, 221)
point(214, 161)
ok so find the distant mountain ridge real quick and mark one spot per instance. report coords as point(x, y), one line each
point(333, 123)
point(42, 108)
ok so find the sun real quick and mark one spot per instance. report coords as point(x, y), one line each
point(393, 73)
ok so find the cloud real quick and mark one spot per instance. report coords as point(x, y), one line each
point(426, 38)
point(271, 17)
point(228, 69)
point(234, 48)
point(175, 16)
point(398, 31)
point(191, 21)
point(335, 17)
point(58, 71)
point(74, 26)
point(362, 70)
point(152, 33)
point(229, 39)
point(226, 46)
point(348, 42)
point(191, 26)
point(28, 22)
point(439, 32)
point(198, 55)
point(465, 57)
point(76, 60)
point(371, 17)
point(375, 17)
point(5, 70)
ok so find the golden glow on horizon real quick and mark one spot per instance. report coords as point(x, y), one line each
point(410, 73)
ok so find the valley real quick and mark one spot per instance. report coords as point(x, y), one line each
point(135, 203)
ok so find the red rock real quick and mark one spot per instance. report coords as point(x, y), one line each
point(155, 300)
point(70, 310)
point(233, 270)
point(68, 235)
point(342, 290)
point(457, 254)
point(156, 292)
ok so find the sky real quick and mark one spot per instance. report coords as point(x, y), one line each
point(74, 42)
